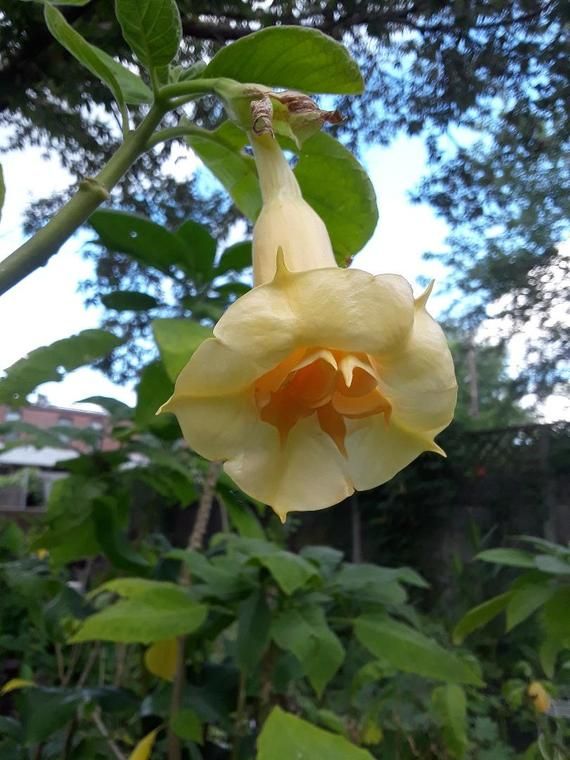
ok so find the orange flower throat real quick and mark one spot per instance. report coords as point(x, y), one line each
point(334, 385)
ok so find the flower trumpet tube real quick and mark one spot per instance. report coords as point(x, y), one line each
point(320, 381)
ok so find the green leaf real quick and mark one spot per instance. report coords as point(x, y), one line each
point(155, 614)
point(526, 600)
point(50, 363)
point(370, 583)
point(240, 514)
point(187, 725)
point(286, 736)
point(289, 570)
point(289, 56)
point(254, 620)
point(201, 248)
point(155, 387)
point(552, 565)
point(125, 86)
point(45, 711)
point(410, 651)
point(152, 29)
point(480, 616)
point(233, 168)
point(236, 258)
point(117, 409)
point(306, 634)
point(2, 190)
point(129, 300)
point(143, 240)
point(450, 706)
point(177, 339)
point(510, 557)
point(130, 587)
point(556, 616)
point(113, 542)
point(339, 190)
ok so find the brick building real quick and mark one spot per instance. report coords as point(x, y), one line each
point(26, 471)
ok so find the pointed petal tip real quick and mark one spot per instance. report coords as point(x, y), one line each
point(281, 515)
point(422, 299)
point(437, 449)
point(166, 407)
point(281, 270)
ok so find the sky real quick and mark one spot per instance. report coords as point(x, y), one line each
point(47, 306)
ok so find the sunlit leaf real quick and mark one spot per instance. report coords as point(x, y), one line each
point(287, 736)
point(411, 651)
point(177, 339)
point(152, 28)
point(289, 56)
point(50, 363)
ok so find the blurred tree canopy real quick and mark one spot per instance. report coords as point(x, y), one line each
point(485, 82)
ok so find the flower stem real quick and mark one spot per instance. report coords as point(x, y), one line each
point(37, 251)
point(276, 177)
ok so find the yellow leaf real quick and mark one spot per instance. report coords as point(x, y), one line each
point(15, 683)
point(372, 734)
point(42, 553)
point(161, 659)
point(144, 747)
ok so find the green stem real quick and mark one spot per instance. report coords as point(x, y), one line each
point(37, 251)
point(191, 87)
point(173, 132)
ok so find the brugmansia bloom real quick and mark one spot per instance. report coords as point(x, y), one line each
point(320, 381)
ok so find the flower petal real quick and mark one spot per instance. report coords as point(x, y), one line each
point(307, 473)
point(377, 450)
point(217, 427)
point(343, 309)
point(419, 380)
point(216, 369)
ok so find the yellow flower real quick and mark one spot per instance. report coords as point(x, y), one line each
point(320, 381)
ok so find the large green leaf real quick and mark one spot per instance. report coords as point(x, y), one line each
point(552, 565)
point(50, 363)
point(125, 86)
point(201, 247)
point(340, 191)
point(331, 179)
point(236, 258)
point(239, 513)
point(154, 389)
point(510, 557)
point(143, 240)
point(525, 601)
point(254, 619)
point(450, 706)
point(285, 736)
point(152, 28)
point(305, 633)
point(409, 650)
point(370, 583)
point(289, 570)
point(129, 300)
point(155, 614)
point(115, 545)
point(480, 616)
point(177, 339)
point(222, 154)
point(289, 56)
